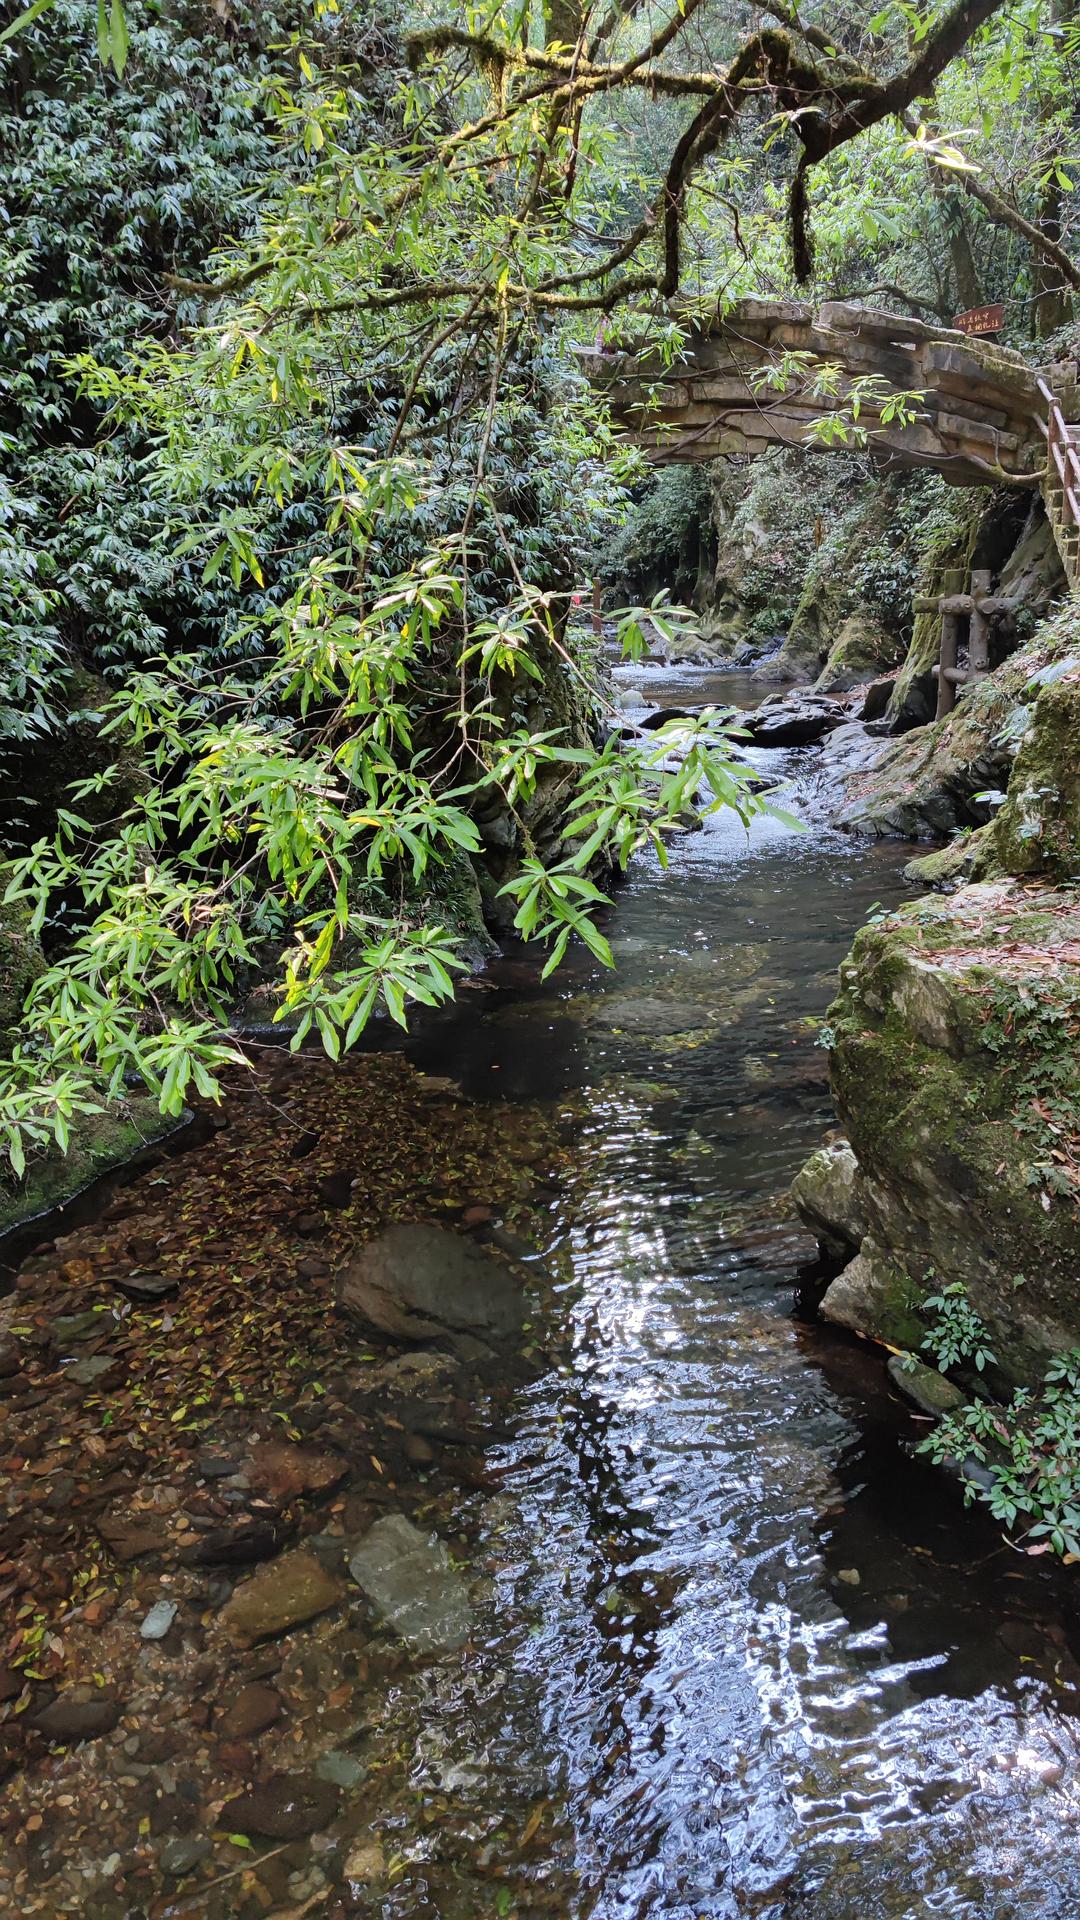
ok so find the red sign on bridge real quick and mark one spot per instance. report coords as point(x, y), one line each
point(981, 320)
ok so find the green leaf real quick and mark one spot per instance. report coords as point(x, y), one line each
point(25, 19)
point(118, 37)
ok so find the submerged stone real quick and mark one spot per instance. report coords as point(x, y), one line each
point(65, 1720)
point(70, 1328)
point(289, 1471)
point(87, 1372)
point(924, 1386)
point(651, 1015)
point(182, 1854)
point(288, 1806)
point(282, 1595)
point(158, 1621)
point(409, 1581)
point(255, 1708)
point(340, 1769)
point(419, 1282)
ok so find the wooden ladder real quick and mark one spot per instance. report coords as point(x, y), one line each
point(1061, 482)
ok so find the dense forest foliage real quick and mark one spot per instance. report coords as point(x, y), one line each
point(302, 486)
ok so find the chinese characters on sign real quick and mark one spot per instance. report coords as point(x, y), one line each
point(981, 320)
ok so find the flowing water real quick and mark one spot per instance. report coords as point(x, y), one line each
point(750, 1654)
point(737, 1651)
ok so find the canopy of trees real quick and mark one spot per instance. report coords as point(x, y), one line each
point(301, 483)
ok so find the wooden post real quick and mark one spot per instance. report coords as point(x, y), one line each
point(597, 622)
point(950, 642)
point(978, 624)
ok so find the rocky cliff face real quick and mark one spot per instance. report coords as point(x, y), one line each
point(939, 779)
point(957, 1080)
point(1038, 828)
point(812, 564)
point(955, 1037)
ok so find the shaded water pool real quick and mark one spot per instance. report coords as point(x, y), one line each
point(751, 1656)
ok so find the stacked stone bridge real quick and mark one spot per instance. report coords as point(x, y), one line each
point(979, 419)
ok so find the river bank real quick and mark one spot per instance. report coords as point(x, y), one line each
point(731, 1649)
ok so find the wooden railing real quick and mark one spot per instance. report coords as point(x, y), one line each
point(1061, 488)
point(980, 610)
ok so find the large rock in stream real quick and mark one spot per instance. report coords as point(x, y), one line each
point(829, 1198)
point(422, 1283)
point(795, 719)
point(956, 1073)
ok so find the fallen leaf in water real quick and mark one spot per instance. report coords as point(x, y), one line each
point(531, 1826)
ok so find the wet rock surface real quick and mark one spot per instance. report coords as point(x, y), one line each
point(420, 1282)
point(408, 1578)
point(795, 719)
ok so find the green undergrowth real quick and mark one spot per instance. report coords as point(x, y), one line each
point(1020, 1459)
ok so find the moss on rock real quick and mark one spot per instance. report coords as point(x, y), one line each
point(952, 866)
point(1038, 828)
point(862, 650)
point(956, 1074)
point(99, 1144)
point(914, 696)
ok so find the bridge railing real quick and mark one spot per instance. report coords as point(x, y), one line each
point(1062, 481)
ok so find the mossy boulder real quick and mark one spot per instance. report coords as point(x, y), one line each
point(450, 896)
point(935, 779)
point(862, 650)
point(828, 1197)
point(1038, 828)
point(952, 866)
point(100, 1143)
point(956, 1074)
point(876, 1296)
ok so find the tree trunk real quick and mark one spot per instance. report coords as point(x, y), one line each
point(564, 20)
point(965, 274)
point(1052, 303)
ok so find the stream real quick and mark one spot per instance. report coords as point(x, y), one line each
point(737, 1652)
point(756, 1650)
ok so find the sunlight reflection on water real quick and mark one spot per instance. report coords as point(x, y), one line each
point(756, 1653)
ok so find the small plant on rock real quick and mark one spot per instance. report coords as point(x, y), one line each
point(958, 1333)
point(1032, 1450)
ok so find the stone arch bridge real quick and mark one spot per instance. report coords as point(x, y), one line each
point(981, 417)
